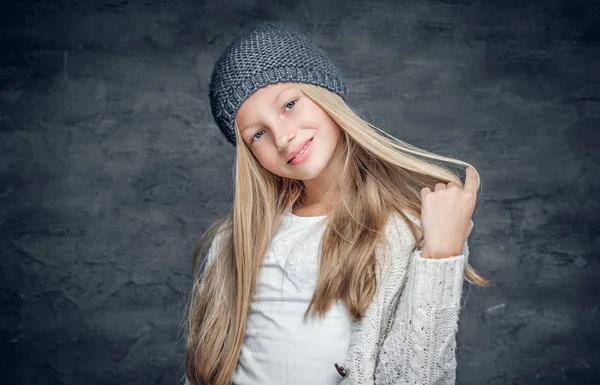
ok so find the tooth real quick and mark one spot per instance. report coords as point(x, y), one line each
point(301, 151)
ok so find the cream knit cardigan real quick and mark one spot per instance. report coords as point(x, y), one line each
point(408, 332)
point(407, 335)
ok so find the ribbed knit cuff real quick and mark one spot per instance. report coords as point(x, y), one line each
point(437, 283)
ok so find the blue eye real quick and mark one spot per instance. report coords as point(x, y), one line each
point(292, 101)
point(253, 137)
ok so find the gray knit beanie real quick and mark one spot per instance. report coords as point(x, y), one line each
point(268, 54)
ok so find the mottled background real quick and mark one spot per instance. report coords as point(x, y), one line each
point(111, 168)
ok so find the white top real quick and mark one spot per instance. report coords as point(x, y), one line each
point(279, 348)
point(407, 335)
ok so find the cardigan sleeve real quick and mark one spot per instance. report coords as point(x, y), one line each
point(420, 345)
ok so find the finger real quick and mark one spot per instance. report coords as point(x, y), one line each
point(439, 186)
point(425, 191)
point(471, 180)
point(453, 184)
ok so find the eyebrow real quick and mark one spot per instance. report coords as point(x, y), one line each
point(247, 126)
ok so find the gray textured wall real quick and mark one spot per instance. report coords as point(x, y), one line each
point(111, 167)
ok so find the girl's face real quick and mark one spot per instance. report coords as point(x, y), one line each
point(275, 122)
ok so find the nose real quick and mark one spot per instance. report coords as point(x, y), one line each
point(341, 370)
point(284, 135)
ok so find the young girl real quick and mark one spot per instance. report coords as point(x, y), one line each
point(331, 216)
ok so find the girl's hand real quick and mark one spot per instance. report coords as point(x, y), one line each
point(446, 216)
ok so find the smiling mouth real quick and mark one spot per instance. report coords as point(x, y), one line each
point(302, 150)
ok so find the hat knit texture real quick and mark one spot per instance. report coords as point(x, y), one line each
point(269, 53)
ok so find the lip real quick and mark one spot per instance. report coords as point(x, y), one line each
point(297, 150)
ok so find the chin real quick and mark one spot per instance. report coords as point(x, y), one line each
point(306, 176)
point(309, 171)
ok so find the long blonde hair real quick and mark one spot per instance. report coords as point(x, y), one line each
point(380, 175)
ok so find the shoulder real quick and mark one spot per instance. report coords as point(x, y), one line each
point(398, 232)
point(215, 244)
point(398, 243)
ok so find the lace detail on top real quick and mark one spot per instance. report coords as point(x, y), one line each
point(296, 248)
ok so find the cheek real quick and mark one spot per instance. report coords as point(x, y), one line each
point(268, 161)
point(330, 133)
